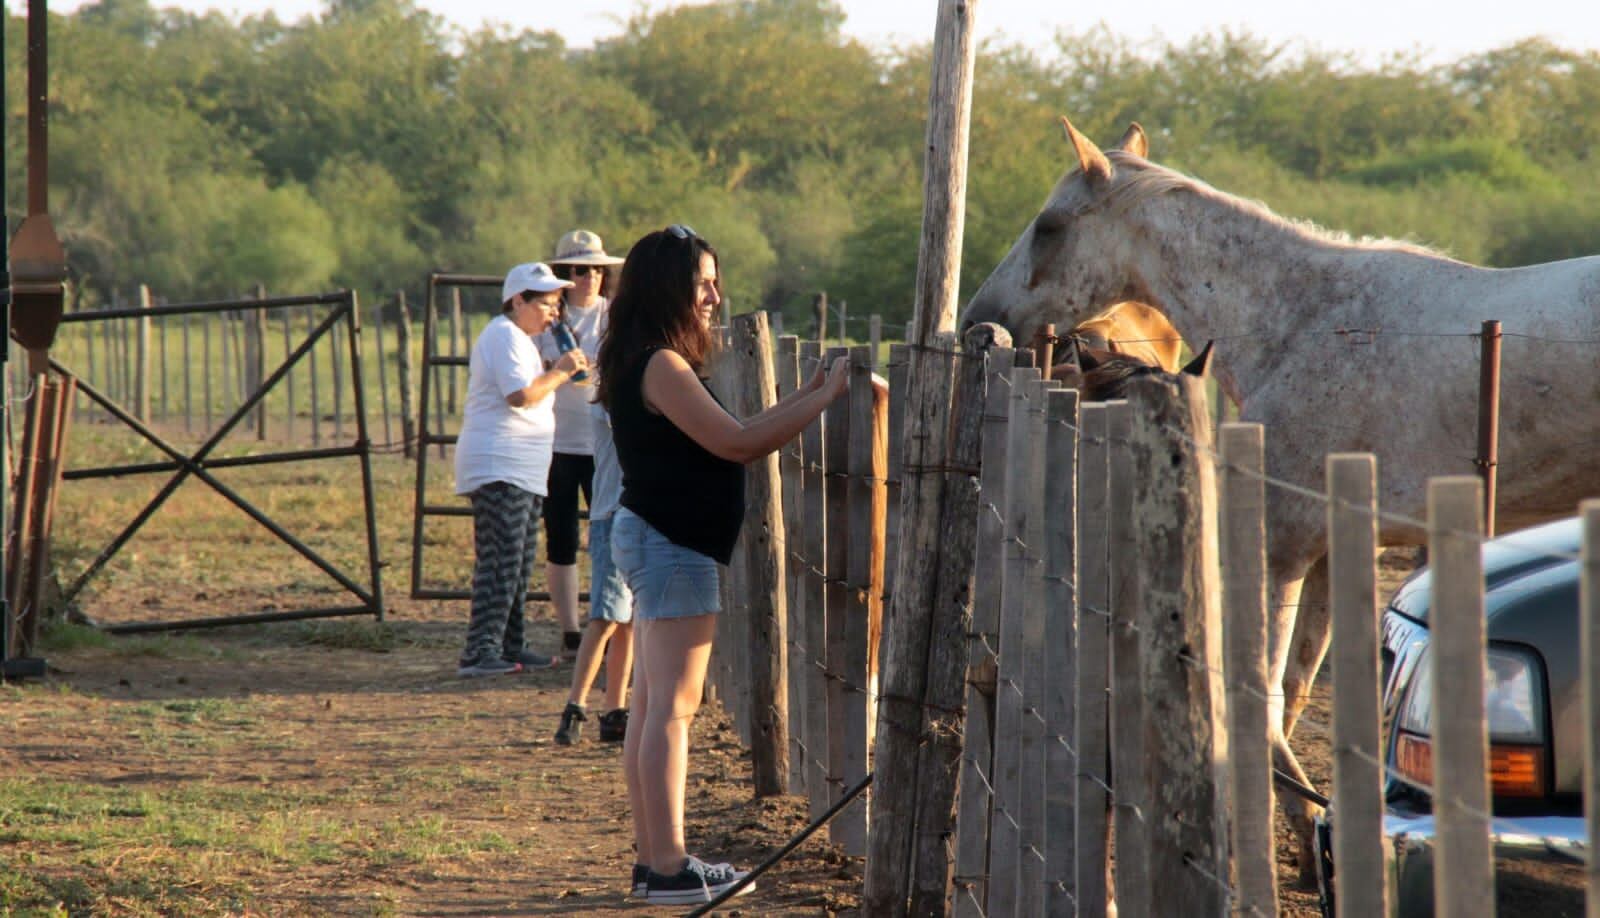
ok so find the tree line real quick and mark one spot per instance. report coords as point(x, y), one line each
point(362, 147)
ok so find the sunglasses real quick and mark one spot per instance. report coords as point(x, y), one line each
point(682, 231)
point(585, 270)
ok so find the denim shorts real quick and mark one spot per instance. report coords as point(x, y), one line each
point(667, 580)
point(609, 599)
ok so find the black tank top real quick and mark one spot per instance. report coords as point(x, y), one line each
point(671, 482)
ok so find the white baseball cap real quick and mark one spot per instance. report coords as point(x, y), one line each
point(533, 275)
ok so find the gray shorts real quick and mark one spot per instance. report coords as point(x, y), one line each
point(667, 580)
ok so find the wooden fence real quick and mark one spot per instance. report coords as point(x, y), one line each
point(1111, 716)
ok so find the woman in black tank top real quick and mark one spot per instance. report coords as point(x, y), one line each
point(682, 459)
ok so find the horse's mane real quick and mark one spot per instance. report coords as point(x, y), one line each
point(1110, 376)
point(1139, 180)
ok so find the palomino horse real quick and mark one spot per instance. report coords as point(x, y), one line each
point(1334, 345)
point(1135, 330)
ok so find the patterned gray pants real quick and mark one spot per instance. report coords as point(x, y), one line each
point(505, 529)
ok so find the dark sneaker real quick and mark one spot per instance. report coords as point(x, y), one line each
point(571, 729)
point(641, 879)
point(488, 668)
point(529, 660)
point(614, 726)
point(696, 882)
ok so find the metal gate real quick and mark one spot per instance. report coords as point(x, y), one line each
point(198, 464)
point(431, 394)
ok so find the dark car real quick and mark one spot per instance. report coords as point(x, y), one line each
point(1536, 731)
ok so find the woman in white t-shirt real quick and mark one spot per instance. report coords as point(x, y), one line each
point(581, 259)
point(503, 463)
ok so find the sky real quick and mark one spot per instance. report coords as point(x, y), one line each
point(1438, 29)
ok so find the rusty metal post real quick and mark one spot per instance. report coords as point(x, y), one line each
point(1044, 345)
point(1489, 418)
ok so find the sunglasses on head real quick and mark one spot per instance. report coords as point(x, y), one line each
point(682, 231)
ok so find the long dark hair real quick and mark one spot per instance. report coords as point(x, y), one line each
point(654, 307)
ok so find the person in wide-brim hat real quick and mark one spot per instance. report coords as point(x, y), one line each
point(580, 257)
point(581, 247)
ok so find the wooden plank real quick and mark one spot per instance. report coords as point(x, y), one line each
point(851, 667)
point(787, 366)
point(1094, 653)
point(1244, 630)
point(765, 601)
point(1463, 881)
point(940, 754)
point(1357, 750)
point(814, 682)
point(1180, 660)
point(974, 803)
point(1060, 573)
point(1005, 827)
point(836, 447)
point(1589, 617)
point(1127, 694)
point(1030, 742)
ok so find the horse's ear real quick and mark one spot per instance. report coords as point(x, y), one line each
point(1201, 365)
point(1096, 168)
point(1134, 141)
point(1086, 359)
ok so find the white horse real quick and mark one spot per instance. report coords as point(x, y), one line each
point(1334, 345)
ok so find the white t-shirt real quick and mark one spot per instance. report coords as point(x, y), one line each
point(572, 399)
point(607, 488)
point(499, 442)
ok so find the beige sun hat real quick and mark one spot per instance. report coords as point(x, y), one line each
point(581, 247)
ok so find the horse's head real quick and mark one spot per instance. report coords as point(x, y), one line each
point(1104, 375)
point(1073, 259)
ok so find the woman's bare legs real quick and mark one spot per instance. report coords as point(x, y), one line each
point(619, 661)
point(669, 678)
point(642, 845)
point(588, 665)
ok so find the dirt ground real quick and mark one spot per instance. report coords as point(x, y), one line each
point(341, 767)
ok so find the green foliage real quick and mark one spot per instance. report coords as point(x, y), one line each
point(371, 143)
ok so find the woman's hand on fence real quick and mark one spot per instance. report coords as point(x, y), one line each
point(838, 377)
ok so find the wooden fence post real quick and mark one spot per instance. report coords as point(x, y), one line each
point(820, 306)
point(1030, 741)
point(789, 467)
point(863, 571)
point(1174, 513)
point(1463, 862)
point(1060, 649)
point(408, 417)
point(874, 339)
point(1094, 653)
point(1357, 750)
point(1128, 780)
point(761, 539)
point(1005, 827)
point(1589, 617)
point(456, 346)
point(188, 390)
point(1244, 630)
point(258, 360)
point(141, 379)
point(339, 330)
point(813, 672)
point(836, 444)
point(205, 363)
point(975, 803)
point(940, 757)
point(311, 369)
point(288, 378)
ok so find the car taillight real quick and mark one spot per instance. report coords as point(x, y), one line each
point(1514, 771)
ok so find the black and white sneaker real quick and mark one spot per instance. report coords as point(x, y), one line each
point(641, 880)
point(696, 882)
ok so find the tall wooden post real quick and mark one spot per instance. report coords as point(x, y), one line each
point(789, 467)
point(898, 841)
point(763, 563)
point(819, 306)
point(141, 398)
point(408, 417)
point(1174, 513)
point(1463, 859)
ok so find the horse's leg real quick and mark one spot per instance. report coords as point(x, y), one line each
point(1312, 632)
point(1283, 603)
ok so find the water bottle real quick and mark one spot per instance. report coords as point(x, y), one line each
point(565, 341)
